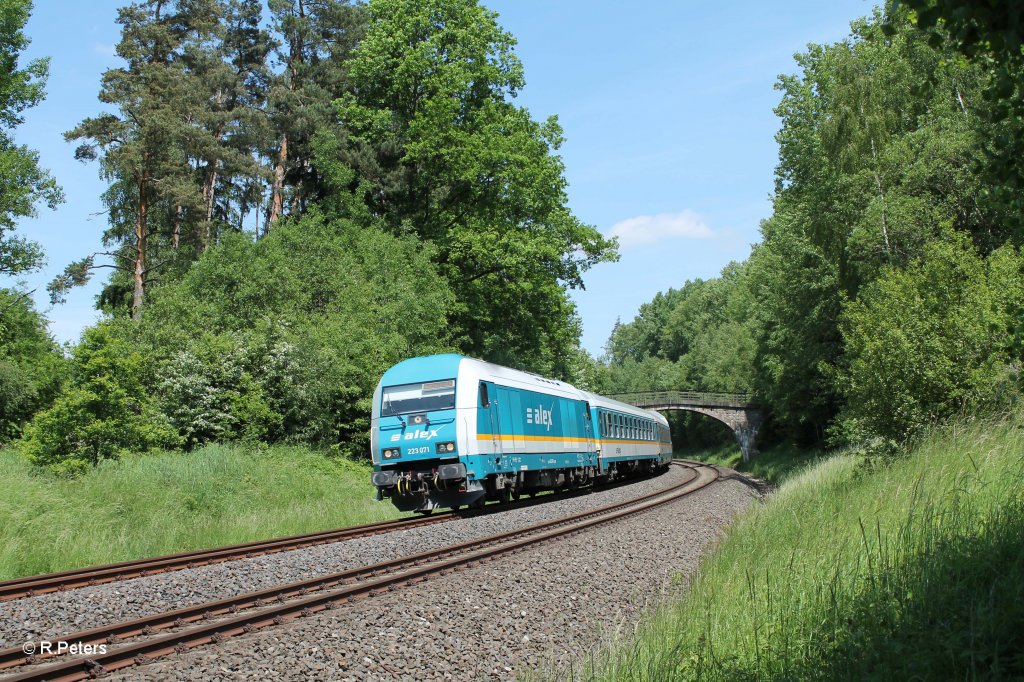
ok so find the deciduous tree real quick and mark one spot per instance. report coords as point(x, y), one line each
point(23, 183)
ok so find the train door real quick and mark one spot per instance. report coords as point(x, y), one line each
point(588, 427)
point(489, 403)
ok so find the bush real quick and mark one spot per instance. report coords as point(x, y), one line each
point(277, 340)
point(106, 411)
point(931, 341)
point(32, 367)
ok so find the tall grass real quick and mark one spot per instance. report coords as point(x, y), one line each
point(911, 569)
point(159, 504)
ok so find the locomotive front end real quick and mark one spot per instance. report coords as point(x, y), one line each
point(415, 439)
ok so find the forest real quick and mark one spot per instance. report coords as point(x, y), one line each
point(405, 204)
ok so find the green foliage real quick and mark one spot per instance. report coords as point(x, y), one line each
point(285, 338)
point(105, 411)
point(988, 33)
point(875, 151)
point(881, 139)
point(280, 339)
point(23, 184)
point(222, 388)
point(32, 367)
point(932, 340)
point(698, 337)
point(433, 143)
point(171, 502)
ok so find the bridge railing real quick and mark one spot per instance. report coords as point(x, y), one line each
point(652, 398)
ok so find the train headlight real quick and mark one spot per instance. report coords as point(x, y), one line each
point(445, 448)
point(392, 453)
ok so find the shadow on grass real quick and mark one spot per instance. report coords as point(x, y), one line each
point(952, 612)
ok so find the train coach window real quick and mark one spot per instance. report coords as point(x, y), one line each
point(484, 400)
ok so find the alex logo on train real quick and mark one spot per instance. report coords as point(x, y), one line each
point(432, 433)
point(538, 415)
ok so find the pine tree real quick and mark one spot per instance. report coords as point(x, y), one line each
point(141, 145)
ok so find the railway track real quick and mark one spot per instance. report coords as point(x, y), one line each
point(94, 575)
point(213, 622)
point(30, 586)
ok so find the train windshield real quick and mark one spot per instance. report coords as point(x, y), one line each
point(426, 397)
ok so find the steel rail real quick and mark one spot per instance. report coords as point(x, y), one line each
point(424, 564)
point(29, 586)
point(94, 575)
point(14, 656)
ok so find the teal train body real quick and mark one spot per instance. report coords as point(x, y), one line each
point(452, 431)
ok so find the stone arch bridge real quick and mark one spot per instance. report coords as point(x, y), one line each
point(732, 409)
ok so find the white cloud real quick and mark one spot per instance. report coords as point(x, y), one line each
point(647, 229)
point(105, 50)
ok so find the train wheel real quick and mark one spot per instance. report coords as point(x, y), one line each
point(505, 495)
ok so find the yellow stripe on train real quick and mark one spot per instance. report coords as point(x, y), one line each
point(559, 439)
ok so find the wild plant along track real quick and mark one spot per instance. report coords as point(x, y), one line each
point(221, 619)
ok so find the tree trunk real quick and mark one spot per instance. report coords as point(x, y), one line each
point(176, 235)
point(139, 292)
point(209, 185)
point(277, 193)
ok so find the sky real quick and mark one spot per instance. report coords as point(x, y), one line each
point(667, 109)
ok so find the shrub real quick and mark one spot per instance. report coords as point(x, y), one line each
point(932, 340)
point(105, 412)
point(32, 367)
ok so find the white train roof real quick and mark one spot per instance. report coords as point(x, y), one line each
point(480, 370)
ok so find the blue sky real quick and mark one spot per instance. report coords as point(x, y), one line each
point(666, 107)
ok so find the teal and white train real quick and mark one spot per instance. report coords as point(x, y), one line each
point(452, 431)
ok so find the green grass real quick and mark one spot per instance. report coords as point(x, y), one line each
point(774, 465)
point(905, 569)
point(172, 502)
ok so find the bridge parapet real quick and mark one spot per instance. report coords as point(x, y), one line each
point(694, 398)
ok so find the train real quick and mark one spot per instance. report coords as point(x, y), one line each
point(450, 431)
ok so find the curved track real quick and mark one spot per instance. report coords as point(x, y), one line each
point(95, 575)
point(33, 585)
point(221, 618)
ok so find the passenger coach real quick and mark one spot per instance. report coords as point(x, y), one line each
point(449, 431)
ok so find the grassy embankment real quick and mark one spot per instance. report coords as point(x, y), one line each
point(172, 502)
point(861, 570)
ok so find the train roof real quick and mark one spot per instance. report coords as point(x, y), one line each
point(611, 404)
point(453, 365)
